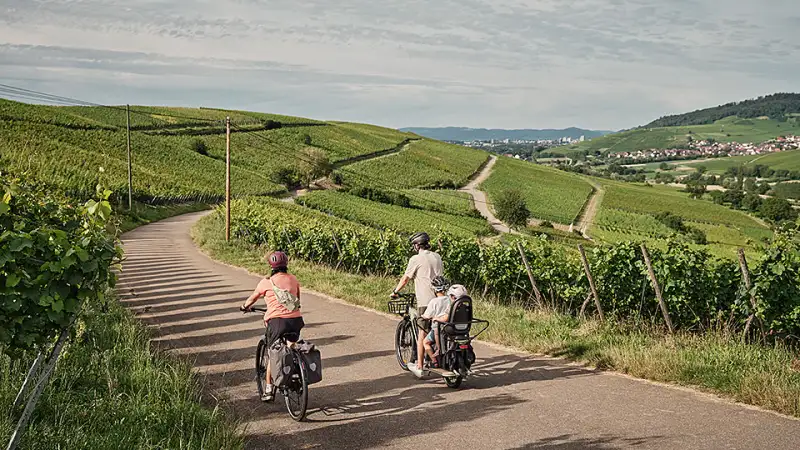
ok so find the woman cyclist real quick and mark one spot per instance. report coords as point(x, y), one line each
point(281, 292)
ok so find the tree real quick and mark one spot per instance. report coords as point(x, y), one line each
point(750, 185)
point(664, 166)
point(511, 208)
point(734, 197)
point(314, 164)
point(777, 210)
point(701, 169)
point(270, 124)
point(696, 189)
point(751, 202)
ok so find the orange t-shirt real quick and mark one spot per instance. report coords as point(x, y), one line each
point(275, 309)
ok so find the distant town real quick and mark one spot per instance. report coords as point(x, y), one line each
point(543, 143)
point(711, 149)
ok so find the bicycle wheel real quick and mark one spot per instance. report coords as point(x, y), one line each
point(404, 343)
point(262, 358)
point(296, 393)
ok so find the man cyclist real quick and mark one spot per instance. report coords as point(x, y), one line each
point(422, 268)
point(281, 292)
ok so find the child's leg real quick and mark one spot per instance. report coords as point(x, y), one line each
point(429, 349)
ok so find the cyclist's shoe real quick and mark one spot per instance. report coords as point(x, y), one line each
point(413, 368)
point(269, 394)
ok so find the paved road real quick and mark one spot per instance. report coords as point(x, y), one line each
point(516, 401)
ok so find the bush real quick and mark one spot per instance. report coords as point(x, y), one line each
point(272, 124)
point(546, 224)
point(777, 210)
point(288, 176)
point(199, 146)
point(511, 208)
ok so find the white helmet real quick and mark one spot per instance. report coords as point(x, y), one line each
point(457, 291)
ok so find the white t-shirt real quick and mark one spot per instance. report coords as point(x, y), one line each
point(437, 306)
point(422, 268)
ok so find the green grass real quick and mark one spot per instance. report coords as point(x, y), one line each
point(110, 389)
point(425, 163)
point(654, 199)
point(550, 194)
point(383, 216)
point(165, 166)
point(730, 129)
point(442, 200)
point(713, 362)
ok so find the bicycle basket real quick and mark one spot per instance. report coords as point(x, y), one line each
point(400, 306)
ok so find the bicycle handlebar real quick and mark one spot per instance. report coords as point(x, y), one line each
point(251, 309)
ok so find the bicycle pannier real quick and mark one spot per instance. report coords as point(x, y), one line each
point(280, 358)
point(313, 360)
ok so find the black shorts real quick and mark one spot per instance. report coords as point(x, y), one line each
point(290, 328)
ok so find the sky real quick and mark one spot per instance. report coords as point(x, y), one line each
point(598, 64)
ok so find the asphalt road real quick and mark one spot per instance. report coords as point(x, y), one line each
point(365, 401)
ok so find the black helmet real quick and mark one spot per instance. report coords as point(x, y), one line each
point(420, 238)
point(440, 284)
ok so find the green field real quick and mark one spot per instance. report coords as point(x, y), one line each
point(730, 129)
point(444, 200)
point(424, 163)
point(788, 160)
point(165, 165)
point(383, 216)
point(550, 194)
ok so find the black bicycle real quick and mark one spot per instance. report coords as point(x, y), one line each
point(295, 390)
point(405, 337)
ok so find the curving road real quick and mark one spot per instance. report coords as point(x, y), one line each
point(515, 401)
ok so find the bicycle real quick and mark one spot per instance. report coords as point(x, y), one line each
point(295, 392)
point(405, 337)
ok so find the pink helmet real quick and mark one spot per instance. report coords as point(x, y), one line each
point(278, 259)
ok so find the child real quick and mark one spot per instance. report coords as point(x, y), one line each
point(439, 308)
point(436, 307)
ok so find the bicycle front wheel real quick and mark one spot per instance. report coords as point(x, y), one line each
point(404, 343)
point(262, 358)
point(296, 393)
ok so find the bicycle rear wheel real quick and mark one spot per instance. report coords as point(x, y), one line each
point(262, 358)
point(296, 393)
point(404, 343)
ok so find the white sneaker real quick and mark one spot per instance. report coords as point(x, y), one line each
point(413, 368)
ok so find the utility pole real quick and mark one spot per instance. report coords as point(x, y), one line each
point(227, 179)
point(130, 169)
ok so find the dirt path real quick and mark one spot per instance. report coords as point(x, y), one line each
point(479, 197)
point(590, 209)
point(365, 401)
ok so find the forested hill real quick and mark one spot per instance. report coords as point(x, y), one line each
point(775, 106)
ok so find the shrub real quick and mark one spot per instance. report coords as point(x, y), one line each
point(777, 210)
point(270, 124)
point(511, 209)
point(199, 146)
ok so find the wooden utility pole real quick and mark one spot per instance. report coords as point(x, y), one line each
point(130, 168)
point(227, 179)
point(657, 288)
point(537, 294)
point(591, 284)
point(748, 285)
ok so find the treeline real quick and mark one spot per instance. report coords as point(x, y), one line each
point(775, 106)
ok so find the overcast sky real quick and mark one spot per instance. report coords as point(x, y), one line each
point(601, 64)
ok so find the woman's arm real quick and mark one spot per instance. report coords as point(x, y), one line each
point(258, 293)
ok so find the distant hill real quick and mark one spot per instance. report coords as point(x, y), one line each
point(483, 134)
point(775, 106)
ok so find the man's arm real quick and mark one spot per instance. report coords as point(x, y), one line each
point(403, 282)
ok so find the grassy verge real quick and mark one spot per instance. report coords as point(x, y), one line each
point(143, 214)
point(111, 390)
point(714, 362)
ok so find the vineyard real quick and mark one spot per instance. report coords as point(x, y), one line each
point(392, 217)
point(701, 290)
point(446, 201)
point(166, 164)
point(550, 194)
point(422, 164)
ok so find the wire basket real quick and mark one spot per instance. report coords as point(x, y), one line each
point(399, 306)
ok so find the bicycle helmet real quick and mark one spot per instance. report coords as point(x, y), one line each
point(420, 238)
point(440, 284)
point(457, 291)
point(278, 259)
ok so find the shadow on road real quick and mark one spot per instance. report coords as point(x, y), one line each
point(570, 442)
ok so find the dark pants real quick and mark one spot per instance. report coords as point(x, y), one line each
point(290, 328)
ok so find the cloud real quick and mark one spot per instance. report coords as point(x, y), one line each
point(483, 63)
